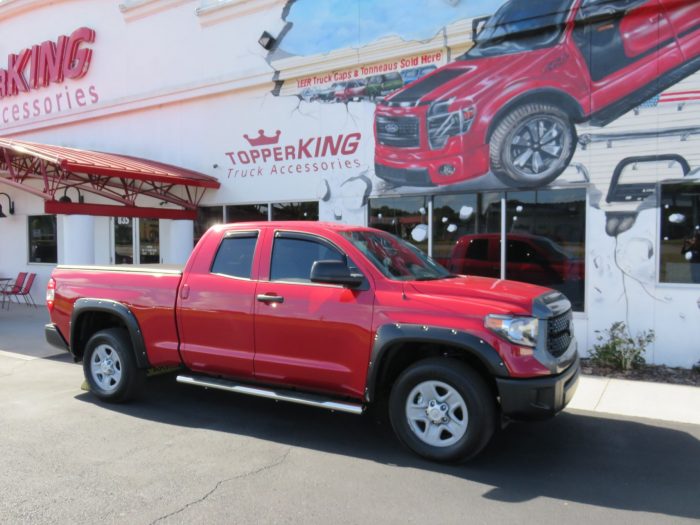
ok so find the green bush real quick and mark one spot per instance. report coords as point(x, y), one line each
point(617, 349)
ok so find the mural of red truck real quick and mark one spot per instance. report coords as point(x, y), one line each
point(511, 103)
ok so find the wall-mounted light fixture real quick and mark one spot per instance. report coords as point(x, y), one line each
point(66, 198)
point(12, 206)
point(266, 40)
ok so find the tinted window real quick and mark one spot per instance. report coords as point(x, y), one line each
point(519, 252)
point(521, 25)
point(43, 245)
point(295, 211)
point(478, 249)
point(235, 256)
point(292, 258)
point(680, 233)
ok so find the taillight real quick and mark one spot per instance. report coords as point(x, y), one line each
point(50, 293)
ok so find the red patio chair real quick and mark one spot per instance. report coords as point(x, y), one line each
point(14, 290)
point(24, 293)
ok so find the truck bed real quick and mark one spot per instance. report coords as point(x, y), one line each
point(149, 291)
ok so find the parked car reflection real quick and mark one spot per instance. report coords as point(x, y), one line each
point(529, 258)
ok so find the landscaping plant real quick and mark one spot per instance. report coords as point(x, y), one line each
point(617, 349)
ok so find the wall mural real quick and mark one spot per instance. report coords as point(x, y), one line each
point(454, 96)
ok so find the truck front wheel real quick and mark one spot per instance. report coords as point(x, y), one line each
point(442, 409)
point(110, 367)
point(532, 145)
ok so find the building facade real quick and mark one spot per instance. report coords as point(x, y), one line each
point(553, 142)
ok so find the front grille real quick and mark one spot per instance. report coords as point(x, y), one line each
point(399, 132)
point(559, 333)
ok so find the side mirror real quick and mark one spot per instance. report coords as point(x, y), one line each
point(335, 272)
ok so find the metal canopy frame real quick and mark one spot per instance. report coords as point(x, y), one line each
point(118, 178)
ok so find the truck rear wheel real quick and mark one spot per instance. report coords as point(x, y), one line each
point(442, 410)
point(532, 145)
point(110, 367)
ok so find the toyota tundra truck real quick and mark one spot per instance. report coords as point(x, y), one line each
point(511, 103)
point(334, 316)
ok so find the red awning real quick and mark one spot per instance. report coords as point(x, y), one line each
point(50, 171)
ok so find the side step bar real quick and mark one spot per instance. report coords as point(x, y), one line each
point(277, 395)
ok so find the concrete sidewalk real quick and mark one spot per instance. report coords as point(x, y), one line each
point(22, 336)
point(622, 397)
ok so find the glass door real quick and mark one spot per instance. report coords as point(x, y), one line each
point(129, 248)
point(149, 241)
point(123, 252)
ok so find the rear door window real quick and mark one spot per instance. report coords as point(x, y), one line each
point(235, 255)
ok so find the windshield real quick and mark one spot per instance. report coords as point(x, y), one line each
point(395, 258)
point(520, 25)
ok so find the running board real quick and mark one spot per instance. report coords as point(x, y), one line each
point(277, 395)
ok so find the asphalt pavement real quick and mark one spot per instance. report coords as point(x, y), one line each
point(187, 455)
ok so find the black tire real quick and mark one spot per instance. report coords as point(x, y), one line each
point(519, 157)
point(110, 367)
point(480, 410)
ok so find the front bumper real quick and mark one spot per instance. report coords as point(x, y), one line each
point(55, 338)
point(539, 398)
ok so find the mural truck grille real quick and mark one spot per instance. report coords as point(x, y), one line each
point(399, 132)
point(559, 334)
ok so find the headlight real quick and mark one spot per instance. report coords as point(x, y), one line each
point(518, 330)
point(443, 123)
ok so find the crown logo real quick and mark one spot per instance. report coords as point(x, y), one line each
point(262, 139)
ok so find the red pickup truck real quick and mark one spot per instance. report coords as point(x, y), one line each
point(335, 316)
point(510, 104)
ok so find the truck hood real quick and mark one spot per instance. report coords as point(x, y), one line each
point(515, 297)
point(466, 78)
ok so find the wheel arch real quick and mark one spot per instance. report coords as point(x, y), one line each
point(549, 96)
point(397, 346)
point(93, 315)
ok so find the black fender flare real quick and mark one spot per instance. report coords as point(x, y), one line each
point(389, 335)
point(117, 309)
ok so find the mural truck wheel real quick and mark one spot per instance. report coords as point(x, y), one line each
point(532, 145)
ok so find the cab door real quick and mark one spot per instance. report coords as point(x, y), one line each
point(684, 17)
point(627, 45)
point(216, 307)
point(310, 335)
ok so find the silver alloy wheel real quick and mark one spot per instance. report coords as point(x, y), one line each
point(538, 147)
point(106, 368)
point(437, 413)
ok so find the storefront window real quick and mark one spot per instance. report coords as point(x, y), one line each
point(246, 213)
point(680, 233)
point(546, 240)
point(466, 230)
point(405, 217)
point(43, 246)
point(545, 233)
point(295, 211)
point(207, 216)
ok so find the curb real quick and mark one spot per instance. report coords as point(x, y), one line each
point(665, 402)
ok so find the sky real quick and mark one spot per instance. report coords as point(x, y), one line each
point(320, 26)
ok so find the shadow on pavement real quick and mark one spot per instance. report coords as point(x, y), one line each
point(605, 462)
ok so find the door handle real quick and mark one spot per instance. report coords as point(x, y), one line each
point(264, 298)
